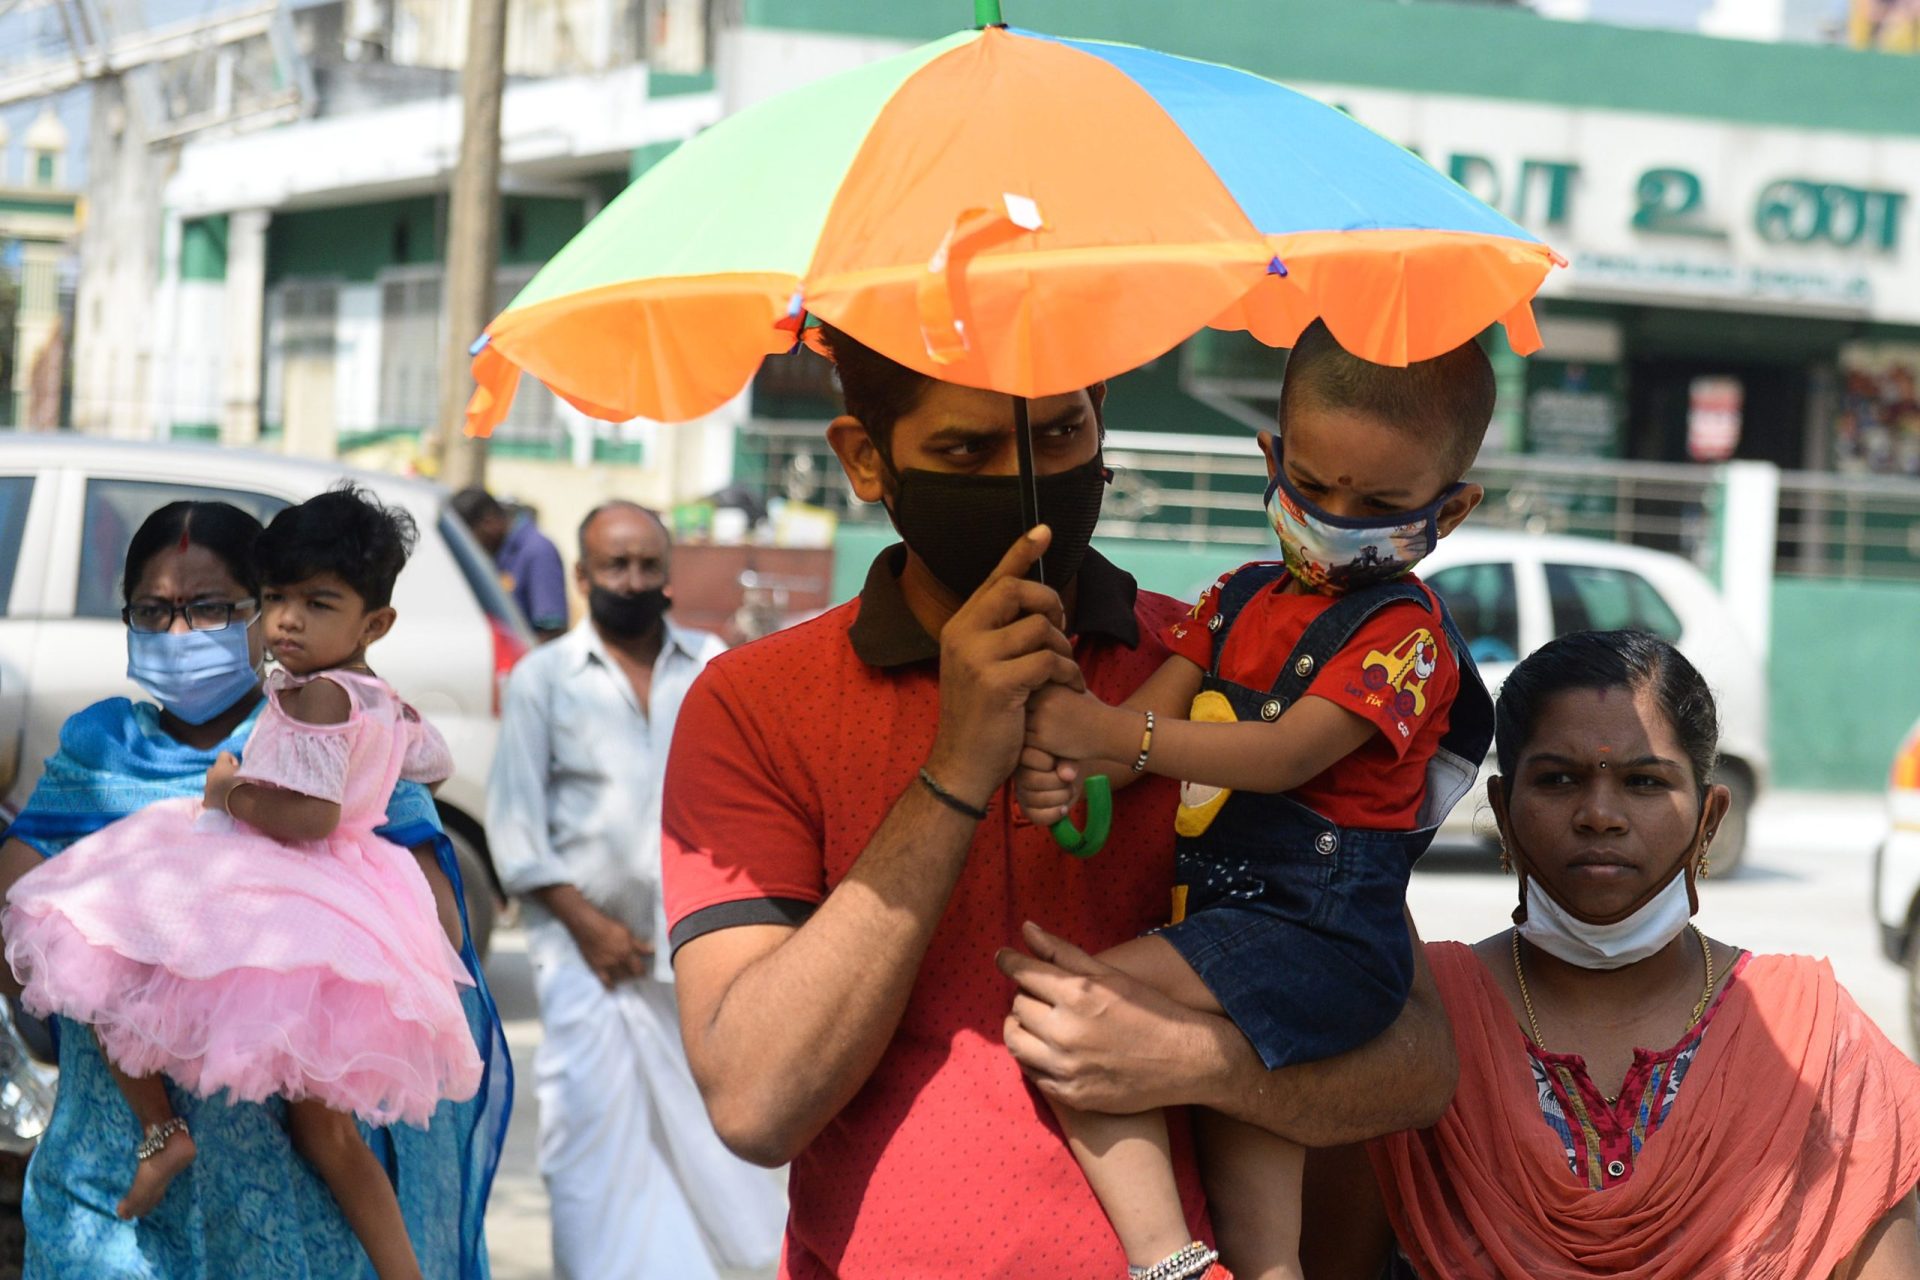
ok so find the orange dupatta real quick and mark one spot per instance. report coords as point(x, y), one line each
point(1796, 1129)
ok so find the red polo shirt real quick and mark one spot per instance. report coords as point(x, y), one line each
point(787, 755)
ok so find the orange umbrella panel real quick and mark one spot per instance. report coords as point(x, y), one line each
point(1008, 210)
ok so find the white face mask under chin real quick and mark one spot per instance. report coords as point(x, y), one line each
point(1556, 931)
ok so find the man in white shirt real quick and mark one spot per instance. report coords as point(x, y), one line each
point(633, 1170)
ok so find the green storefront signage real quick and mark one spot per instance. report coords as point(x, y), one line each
point(1787, 211)
point(1574, 408)
point(1538, 191)
point(1795, 211)
point(1541, 190)
point(1671, 201)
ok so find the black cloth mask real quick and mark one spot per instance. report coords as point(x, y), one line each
point(627, 613)
point(961, 526)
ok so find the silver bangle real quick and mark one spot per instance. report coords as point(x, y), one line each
point(157, 1134)
point(1189, 1263)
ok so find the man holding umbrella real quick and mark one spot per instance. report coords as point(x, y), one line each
point(843, 859)
point(1006, 210)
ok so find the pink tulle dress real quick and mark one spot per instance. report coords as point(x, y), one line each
point(198, 947)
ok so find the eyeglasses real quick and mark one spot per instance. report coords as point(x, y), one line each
point(201, 615)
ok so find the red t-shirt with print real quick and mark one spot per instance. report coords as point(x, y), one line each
point(1398, 672)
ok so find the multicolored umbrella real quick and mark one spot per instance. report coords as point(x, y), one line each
point(1012, 211)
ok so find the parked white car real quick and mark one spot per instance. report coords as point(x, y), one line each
point(70, 504)
point(1896, 871)
point(1510, 593)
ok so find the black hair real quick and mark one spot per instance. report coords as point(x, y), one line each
point(1446, 401)
point(620, 504)
point(222, 528)
point(344, 531)
point(474, 504)
point(879, 390)
point(1631, 660)
point(875, 389)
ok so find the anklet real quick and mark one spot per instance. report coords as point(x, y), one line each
point(1188, 1263)
point(157, 1134)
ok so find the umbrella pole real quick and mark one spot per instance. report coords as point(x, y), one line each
point(1029, 486)
point(1080, 843)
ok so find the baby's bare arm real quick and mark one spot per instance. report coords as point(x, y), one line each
point(1048, 786)
point(1270, 757)
point(1311, 737)
point(285, 815)
point(1170, 691)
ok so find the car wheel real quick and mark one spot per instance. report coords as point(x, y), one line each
point(1730, 844)
point(476, 887)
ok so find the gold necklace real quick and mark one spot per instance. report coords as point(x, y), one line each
point(1526, 997)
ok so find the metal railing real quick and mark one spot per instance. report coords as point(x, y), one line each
point(787, 458)
point(1666, 506)
point(1842, 526)
point(1206, 490)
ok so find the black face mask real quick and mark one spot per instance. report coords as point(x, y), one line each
point(962, 526)
point(627, 613)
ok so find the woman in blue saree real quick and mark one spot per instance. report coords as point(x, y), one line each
point(249, 1207)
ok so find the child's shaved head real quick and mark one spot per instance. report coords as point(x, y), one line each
point(1444, 403)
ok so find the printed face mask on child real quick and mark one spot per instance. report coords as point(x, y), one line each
point(1329, 553)
point(195, 675)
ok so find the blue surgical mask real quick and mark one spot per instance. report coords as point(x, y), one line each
point(1335, 554)
point(195, 675)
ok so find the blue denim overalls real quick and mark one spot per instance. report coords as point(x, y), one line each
point(1297, 924)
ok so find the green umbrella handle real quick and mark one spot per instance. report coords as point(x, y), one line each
point(1084, 844)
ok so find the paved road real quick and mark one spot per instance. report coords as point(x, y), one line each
point(1804, 889)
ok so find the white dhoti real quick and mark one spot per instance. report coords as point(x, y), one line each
point(641, 1188)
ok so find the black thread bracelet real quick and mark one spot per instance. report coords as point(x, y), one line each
point(949, 799)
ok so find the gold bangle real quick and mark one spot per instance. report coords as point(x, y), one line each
point(1146, 745)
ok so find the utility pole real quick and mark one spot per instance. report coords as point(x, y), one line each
point(472, 236)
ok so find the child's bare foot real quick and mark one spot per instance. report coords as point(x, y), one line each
point(155, 1174)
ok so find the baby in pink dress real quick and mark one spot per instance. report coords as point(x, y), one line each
point(265, 941)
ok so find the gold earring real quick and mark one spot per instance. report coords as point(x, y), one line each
point(1506, 861)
